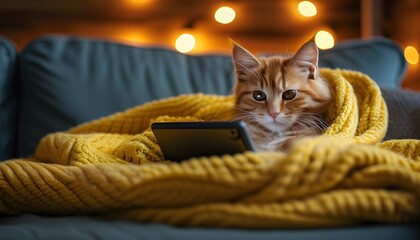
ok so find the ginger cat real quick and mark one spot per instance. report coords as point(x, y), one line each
point(280, 98)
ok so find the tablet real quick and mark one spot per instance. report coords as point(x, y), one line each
point(183, 140)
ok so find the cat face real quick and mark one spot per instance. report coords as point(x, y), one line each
point(281, 92)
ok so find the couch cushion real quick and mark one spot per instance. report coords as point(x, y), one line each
point(404, 114)
point(379, 58)
point(70, 80)
point(8, 99)
point(30, 226)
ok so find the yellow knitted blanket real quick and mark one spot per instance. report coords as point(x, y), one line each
point(114, 168)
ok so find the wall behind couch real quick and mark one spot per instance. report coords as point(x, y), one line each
point(269, 25)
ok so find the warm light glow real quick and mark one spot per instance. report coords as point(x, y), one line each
point(225, 15)
point(307, 9)
point(138, 2)
point(411, 55)
point(185, 43)
point(324, 40)
point(131, 35)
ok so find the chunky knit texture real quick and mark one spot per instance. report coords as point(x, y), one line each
point(113, 167)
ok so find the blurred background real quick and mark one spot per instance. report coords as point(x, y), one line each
point(204, 26)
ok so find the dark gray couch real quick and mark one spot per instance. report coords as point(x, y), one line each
point(58, 82)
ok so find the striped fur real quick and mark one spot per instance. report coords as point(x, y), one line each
point(275, 122)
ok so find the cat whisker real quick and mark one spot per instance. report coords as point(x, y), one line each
point(315, 120)
point(243, 117)
point(312, 126)
point(245, 111)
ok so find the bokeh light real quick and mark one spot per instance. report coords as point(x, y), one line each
point(225, 15)
point(411, 55)
point(138, 2)
point(324, 40)
point(307, 9)
point(185, 43)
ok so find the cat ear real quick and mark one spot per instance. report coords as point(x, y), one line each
point(306, 58)
point(243, 59)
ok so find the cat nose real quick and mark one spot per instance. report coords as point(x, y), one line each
point(274, 114)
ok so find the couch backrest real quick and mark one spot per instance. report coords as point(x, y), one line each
point(68, 80)
point(8, 99)
point(379, 58)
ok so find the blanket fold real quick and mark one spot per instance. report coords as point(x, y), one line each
point(113, 167)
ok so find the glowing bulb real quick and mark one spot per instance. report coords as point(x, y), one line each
point(185, 43)
point(225, 15)
point(324, 40)
point(411, 55)
point(307, 9)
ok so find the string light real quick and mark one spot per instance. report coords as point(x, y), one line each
point(307, 9)
point(411, 55)
point(225, 15)
point(324, 40)
point(185, 43)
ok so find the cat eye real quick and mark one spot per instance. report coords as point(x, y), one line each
point(259, 95)
point(289, 94)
